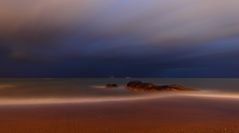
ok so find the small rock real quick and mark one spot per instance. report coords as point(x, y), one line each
point(111, 85)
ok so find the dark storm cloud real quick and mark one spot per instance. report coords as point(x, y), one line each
point(119, 37)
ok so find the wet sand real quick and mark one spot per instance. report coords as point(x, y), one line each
point(178, 114)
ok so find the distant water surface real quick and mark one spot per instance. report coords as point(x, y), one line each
point(94, 87)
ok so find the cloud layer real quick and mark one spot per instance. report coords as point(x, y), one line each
point(119, 37)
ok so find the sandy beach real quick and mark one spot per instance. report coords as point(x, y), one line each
point(178, 114)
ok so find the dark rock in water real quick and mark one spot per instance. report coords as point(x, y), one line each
point(139, 86)
point(111, 85)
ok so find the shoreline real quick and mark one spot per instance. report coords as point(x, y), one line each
point(49, 101)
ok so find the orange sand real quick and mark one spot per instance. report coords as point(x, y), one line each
point(165, 115)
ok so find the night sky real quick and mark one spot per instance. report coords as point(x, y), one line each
point(126, 38)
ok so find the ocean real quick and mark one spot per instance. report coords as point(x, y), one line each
point(24, 88)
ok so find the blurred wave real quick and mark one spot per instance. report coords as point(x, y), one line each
point(6, 86)
point(44, 101)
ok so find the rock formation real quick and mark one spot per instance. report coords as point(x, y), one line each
point(139, 86)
